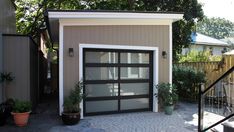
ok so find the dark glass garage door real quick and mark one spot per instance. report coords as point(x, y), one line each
point(117, 81)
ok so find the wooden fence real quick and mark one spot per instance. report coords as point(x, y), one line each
point(213, 70)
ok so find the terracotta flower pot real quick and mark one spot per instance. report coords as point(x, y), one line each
point(21, 119)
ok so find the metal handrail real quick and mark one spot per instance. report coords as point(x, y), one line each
point(200, 104)
point(223, 76)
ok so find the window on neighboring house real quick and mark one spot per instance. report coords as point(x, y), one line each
point(224, 50)
point(211, 50)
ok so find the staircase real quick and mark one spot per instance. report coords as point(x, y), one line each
point(216, 105)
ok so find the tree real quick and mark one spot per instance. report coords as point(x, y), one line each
point(218, 28)
point(30, 22)
point(29, 16)
point(30, 13)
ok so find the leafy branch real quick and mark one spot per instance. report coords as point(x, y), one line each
point(6, 77)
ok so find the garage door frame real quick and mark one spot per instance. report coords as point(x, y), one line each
point(123, 47)
point(118, 65)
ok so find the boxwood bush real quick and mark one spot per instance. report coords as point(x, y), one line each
point(22, 106)
point(187, 81)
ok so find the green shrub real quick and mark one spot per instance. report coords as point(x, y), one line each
point(187, 81)
point(21, 106)
point(72, 102)
point(6, 77)
point(198, 56)
point(167, 93)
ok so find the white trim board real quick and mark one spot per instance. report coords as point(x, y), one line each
point(113, 15)
point(61, 69)
point(125, 47)
point(94, 22)
point(170, 53)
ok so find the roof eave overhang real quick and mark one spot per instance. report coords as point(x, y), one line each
point(67, 18)
point(211, 44)
point(115, 16)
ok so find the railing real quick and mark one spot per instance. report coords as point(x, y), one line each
point(216, 103)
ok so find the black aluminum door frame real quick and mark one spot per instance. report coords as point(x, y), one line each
point(118, 65)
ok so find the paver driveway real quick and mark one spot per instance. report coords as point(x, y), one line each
point(184, 119)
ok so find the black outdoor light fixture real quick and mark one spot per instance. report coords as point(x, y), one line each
point(164, 54)
point(71, 52)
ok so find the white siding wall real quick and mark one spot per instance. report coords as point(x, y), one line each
point(217, 50)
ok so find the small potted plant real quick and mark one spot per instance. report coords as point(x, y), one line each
point(71, 113)
point(168, 95)
point(5, 78)
point(21, 111)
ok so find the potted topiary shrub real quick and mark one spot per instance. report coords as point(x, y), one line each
point(71, 113)
point(21, 111)
point(168, 95)
point(5, 78)
point(5, 110)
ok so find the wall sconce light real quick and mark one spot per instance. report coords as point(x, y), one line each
point(164, 54)
point(71, 52)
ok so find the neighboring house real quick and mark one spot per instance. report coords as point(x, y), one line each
point(18, 55)
point(229, 40)
point(231, 52)
point(7, 25)
point(202, 43)
point(120, 56)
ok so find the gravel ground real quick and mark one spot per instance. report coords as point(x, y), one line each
point(184, 119)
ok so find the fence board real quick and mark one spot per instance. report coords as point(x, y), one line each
point(213, 70)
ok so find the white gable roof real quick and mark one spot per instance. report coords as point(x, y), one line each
point(206, 40)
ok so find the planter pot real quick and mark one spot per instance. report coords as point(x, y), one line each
point(21, 119)
point(168, 109)
point(3, 118)
point(70, 118)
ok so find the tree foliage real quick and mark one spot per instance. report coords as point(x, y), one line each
point(30, 14)
point(215, 27)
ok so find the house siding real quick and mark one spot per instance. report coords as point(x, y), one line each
point(20, 57)
point(1, 64)
point(15, 58)
point(7, 25)
point(7, 17)
point(144, 35)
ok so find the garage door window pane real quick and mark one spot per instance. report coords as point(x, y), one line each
point(97, 90)
point(101, 73)
point(101, 57)
point(134, 73)
point(134, 88)
point(141, 103)
point(138, 58)
point(101, 106)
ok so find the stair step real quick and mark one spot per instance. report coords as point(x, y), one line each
point(228, 126)
point(218, 128)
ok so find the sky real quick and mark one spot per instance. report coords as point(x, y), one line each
point(218, 8)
